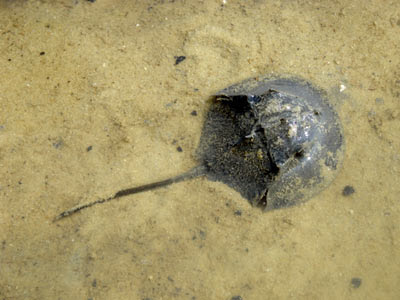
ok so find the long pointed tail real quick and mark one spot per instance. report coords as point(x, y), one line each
point(195, 172)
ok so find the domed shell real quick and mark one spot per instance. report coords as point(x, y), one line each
point(304, 134)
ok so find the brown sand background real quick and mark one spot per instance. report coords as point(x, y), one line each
point(75, 74)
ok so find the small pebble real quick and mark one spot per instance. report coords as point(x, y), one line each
point(356, 282)
point(179, 59)
point(348, 190)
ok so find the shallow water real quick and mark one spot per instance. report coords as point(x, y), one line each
point(91, 101)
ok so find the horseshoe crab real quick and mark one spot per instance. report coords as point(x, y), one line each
point(277, 141)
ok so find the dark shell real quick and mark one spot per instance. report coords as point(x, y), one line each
point(277, 141)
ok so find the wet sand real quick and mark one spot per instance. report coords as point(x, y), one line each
point(92, 101)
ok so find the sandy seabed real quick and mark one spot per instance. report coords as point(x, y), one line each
point(92, 101)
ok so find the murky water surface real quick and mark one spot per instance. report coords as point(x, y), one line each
point(94, 99)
